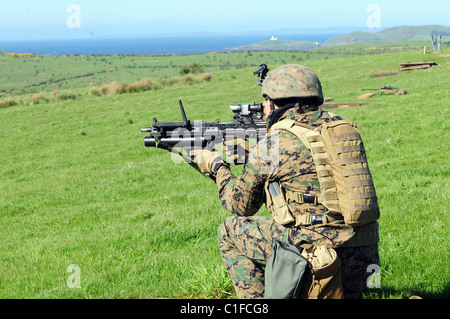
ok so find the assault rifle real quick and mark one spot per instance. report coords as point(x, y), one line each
point(388, 89)
point(248, 123)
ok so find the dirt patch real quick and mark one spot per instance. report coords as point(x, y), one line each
point(346, 104)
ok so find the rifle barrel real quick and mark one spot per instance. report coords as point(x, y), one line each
point(176, 142)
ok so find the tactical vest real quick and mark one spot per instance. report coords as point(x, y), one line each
point(346, 186)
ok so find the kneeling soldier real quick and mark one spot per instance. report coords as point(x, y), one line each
point(311, 172)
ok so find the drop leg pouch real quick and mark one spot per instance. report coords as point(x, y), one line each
point(285, 272)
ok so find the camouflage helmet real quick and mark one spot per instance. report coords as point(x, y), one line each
point(292, 81)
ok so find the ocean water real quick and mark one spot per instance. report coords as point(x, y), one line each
point(149, 45)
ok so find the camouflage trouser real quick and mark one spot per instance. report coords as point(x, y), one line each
point(246, 244)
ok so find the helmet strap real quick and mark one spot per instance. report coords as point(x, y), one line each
point(276, 114)
point(301, 105)
point(272, 105)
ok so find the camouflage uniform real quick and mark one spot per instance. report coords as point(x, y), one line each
point(246, 241)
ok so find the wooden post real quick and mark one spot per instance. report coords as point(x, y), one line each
point(433, 41)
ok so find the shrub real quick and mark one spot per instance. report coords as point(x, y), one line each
point(206, 77)
point(7, 102)
point(104, 89)
point(94, 92)
point(37, 98)
point(114, 88)
point(147, 84)
point(192, 68)
point(165, 81)
point(139, 86)
point(67, 95)
point(118, 88)
point(187, 79)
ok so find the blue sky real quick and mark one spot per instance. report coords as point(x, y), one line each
point(50, 19)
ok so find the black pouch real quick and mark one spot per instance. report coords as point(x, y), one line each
point(285, 272)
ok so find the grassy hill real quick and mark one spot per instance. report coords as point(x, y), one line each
point(399, 33)
point(80, 191)
point(22, 74)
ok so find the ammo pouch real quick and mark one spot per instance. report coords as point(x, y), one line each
point(310, 272)
point(276, 203)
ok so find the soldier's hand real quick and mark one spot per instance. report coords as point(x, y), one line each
point(236, 149)
point(205, 159)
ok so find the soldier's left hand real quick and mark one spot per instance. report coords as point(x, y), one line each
point(205, 159)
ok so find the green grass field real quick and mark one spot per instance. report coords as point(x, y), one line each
point(78, 187)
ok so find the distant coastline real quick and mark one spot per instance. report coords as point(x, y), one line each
point(399, 33)
point(205, 43)
point(147, 46)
